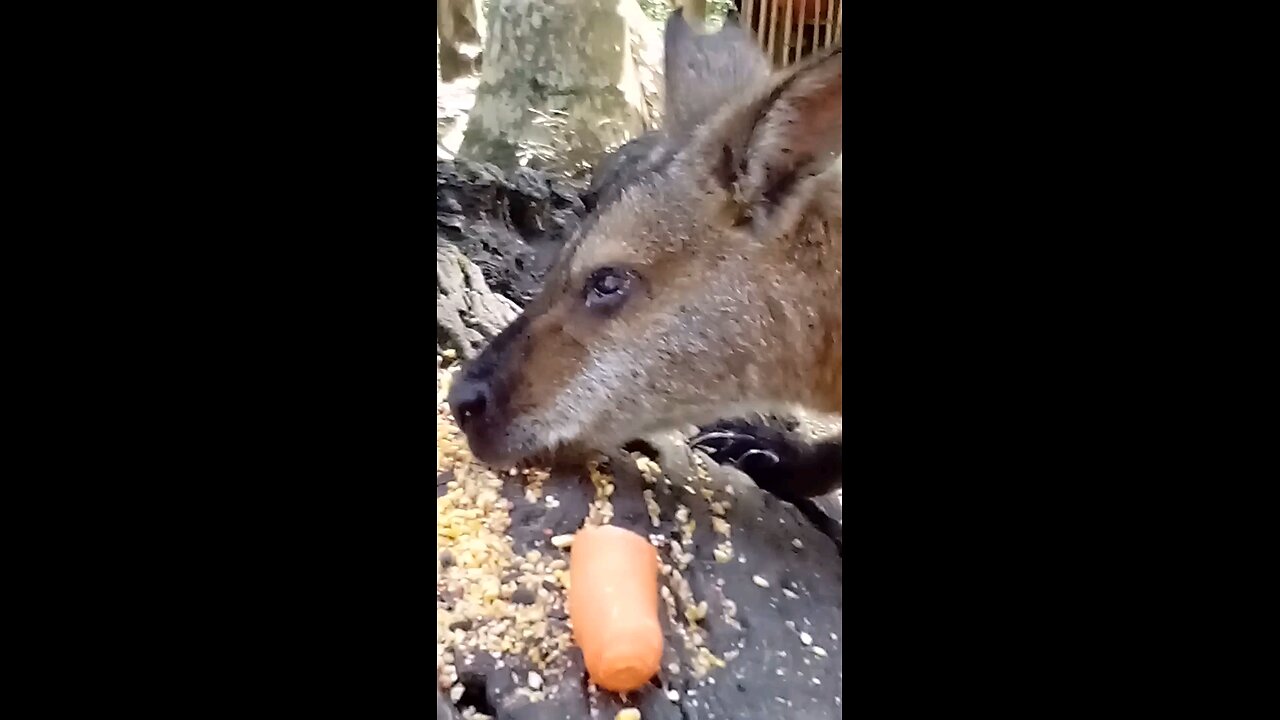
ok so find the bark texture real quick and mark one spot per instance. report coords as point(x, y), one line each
point(458, 23)
point(563, 80)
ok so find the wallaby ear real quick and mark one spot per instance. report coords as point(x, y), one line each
point(705, 72)
point(795, 130)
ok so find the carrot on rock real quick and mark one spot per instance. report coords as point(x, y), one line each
point(613, 604)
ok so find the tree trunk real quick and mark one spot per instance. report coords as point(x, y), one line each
point(695, 12)
point(561, 83)
point(458, 22)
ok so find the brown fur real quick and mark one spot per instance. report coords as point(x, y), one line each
point(731, 234)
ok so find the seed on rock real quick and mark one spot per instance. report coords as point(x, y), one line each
point(760, 581)
point(523, 596)
point(627, 714)
point(797, 543)
point(697, 612)
point(562, 541)
point(672, 695)
point(817, 650)
point(806, 638)
point(535, 680)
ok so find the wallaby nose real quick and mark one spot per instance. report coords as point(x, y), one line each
point(469, 399)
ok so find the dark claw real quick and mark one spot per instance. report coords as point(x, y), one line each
point(766, 455)
point(776, 461)
point(713, 442)
point(771, 455)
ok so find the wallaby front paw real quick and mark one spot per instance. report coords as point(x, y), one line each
point(769, 457)
point(780, 464)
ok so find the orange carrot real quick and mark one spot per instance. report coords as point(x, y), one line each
point(613, 603)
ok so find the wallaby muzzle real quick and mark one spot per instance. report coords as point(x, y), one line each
point(481, 395)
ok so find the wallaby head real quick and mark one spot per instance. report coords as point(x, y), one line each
point(709, 283)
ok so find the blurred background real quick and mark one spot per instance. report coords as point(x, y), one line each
point(551, 84)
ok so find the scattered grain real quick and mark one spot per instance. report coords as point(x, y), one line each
point(720, 526)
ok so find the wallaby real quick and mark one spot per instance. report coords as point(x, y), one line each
point(705, 284)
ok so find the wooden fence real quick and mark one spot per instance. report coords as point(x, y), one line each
point(790, 30)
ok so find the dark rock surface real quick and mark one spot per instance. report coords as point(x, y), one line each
point(769, 670)
point(496, 236)
point(510, 225)
point(444, 709)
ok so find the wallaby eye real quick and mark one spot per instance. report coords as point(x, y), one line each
point(608, 287)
